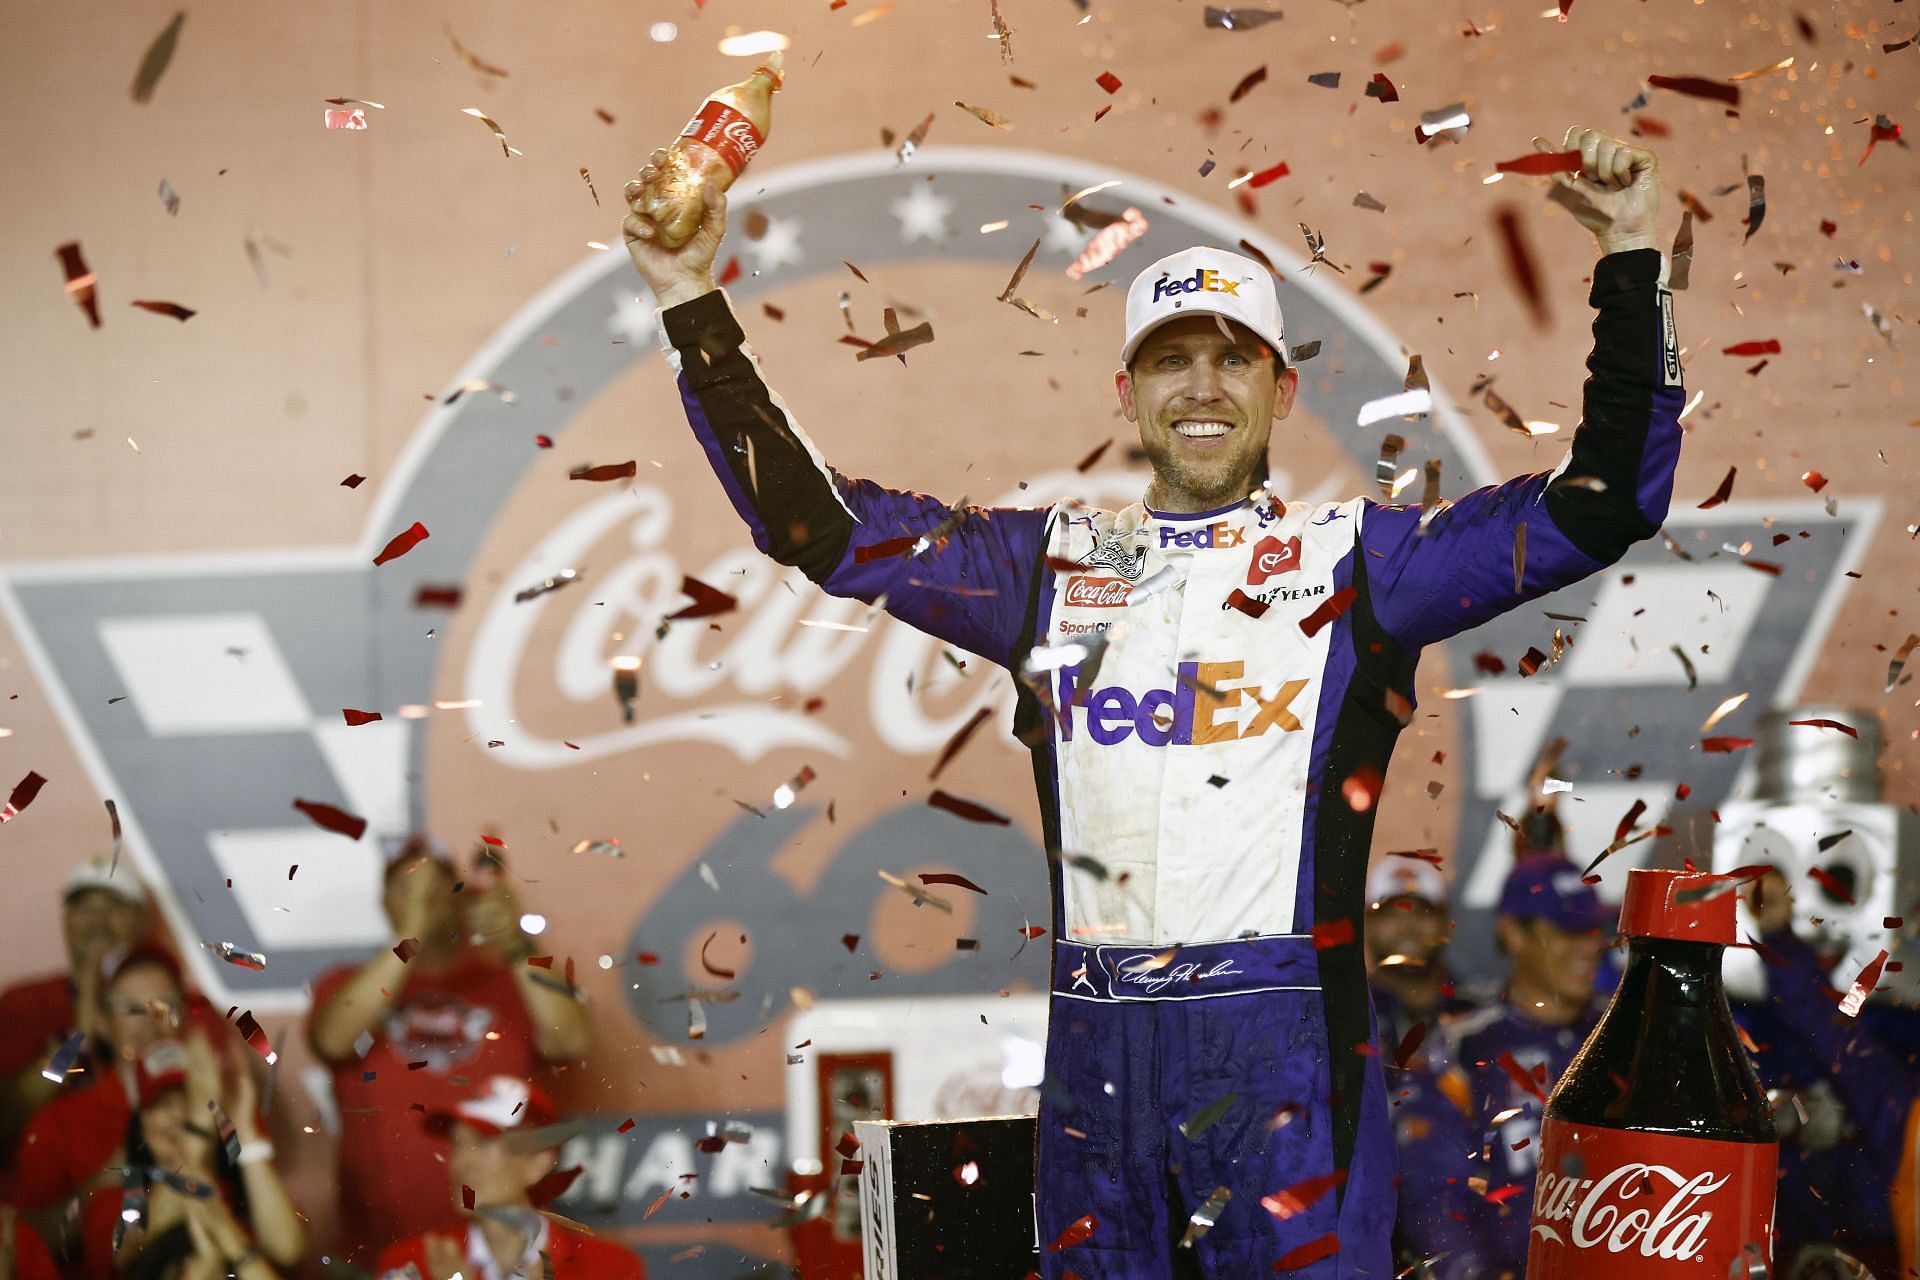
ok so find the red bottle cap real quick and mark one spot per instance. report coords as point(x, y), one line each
point(1687, 906)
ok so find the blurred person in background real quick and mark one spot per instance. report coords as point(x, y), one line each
point(23, 1254)
point(1505, 1057)
point(453, 1001)
point(1844, 1103)
point(500, 1175)
point(191, 1200)
point(1407, 929)
point(104, 910)
point(71, 1142)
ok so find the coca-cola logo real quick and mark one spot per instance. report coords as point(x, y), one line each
point(741, 133)
point(1097, 593)
point(1272, 556)
point(1623, 1210)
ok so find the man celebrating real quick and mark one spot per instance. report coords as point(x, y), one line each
point(1209, 744)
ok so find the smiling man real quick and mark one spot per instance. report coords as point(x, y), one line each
point(1212, 682)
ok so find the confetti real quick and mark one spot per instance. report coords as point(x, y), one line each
point(1338, 933)
point(345, 119)
point(1382, 88)
point(64, 1058)
point(1004, 34)
point(959, 740)
point(1819, 723)
point(357, 718)
point(967, 809)
point(904, 152)
point(1520, 263)
point(1408, 1046)
point(787, 792)
point(472, 385)
point(159, 54)
point(1519, 557)
point(1542, 162)
point(1301, 1196)
point(1335, 605)
point(918, 897)
point(1770, 347)
point(1247, 83)
point(168, 198)
point(468, 55)
point(113, 817)
point(727, 975)
point(80, 281)
point(1724, 746)
point(403, 542)
point(1767, 70)
point(256, 1039)
point(538, 589)
point(605, 848)
point(1835, 888)
point(1724, 492)
point(1863, 986)
point(1900, 660)
point(1108, 81)
point(1111, 239)
point(23, 793)
point(1386, 466)
point(1078, 1231)
point(1698, 87)
point(1520, 1075)
point(1449, 122)
point(985, 116)
point(1686, 663)
point(1680, 257)
point(1206, 1215)
point(1325, 79)
point(1364, 201)
point(898, 341)
point(498, 132)
point(588, 179)
point(1756, 204)
point(1725, 709)
point(952, 878)
point(331, 818)
point(1240, 19)
point(609, 471)
point(1884, 130)
point(1404, 404)
point(234, 955)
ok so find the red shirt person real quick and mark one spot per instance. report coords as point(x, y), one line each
point(499, 1175)
point(413, 1034)
point(104, 910)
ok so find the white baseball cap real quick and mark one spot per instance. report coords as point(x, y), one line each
point(99, 872)
point(1204, 281)
point(1406, 878)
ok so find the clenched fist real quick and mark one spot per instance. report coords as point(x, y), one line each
point(674, 275)
point(1616, 194)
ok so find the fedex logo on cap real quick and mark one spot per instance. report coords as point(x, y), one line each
point(1203, 280)
point(1217, 534)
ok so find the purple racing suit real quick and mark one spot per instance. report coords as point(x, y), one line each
point(1206, 770)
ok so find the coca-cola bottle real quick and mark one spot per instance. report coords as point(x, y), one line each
point(1657, 1150)
point(714, 147)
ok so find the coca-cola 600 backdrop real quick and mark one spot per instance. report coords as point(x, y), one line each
point(189, 597)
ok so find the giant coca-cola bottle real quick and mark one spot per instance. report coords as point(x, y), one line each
point(1657, 1151)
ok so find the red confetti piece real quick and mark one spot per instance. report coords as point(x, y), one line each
point(540, 962)
point(952, 878)
point(1382, 88)
point(1247, 83)
point(1099, 451)
point(1033, 931)
point(255, 1037)
point(1409, 1044)
point(1247, 604)
point(1834, 887)
point(1763, 566)
point(1361, 789)
point(1542, 162)
point(1520, 263)
point(429, 596)
point(1651, 127)
point(731, 272)
point(353, 481)
point(1108, 81)
point(647, 957)
point(626, 1126)
point(959, 740)
point(543, 442)
point(1813, 480)
point(1310, 1252)
point(1723, 746)
point(1699, 87)
point(403, 542)
point(967, 809)
point(1847, 729)
point(850, 940)
point(1884, 130)
point(1724, 492)
point(848, 1146)
point(23, 794)
point(80, 281)
point(1258, 255)
point(1682, 791)
point(1336, 604)
point(1265, 176)
point(406, 949)
point(708, 601)
point(886, 550)
point(1078, 1231)
point(658, 1200)
point(329, 818)
point(1332, 933)
point(357, 718)
point(1628, 819)
point(174, 309)
point(1489, 663)
point(1500, 1195)
point(726, 974)
point(1770, 347)
point(609, 471)
point(1298, 1198)
point(1863, 986)
point(1520, 1075)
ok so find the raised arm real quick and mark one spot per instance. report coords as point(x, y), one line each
point(1612, 489)
point(971, 584)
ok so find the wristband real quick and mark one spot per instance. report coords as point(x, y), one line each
point(254, 1152)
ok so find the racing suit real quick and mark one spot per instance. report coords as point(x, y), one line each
point(1207, 785)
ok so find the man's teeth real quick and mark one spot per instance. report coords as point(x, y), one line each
point(1194, 428)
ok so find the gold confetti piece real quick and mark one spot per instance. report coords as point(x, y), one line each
point(499, 133)
point(1206, 1215)
point(1727, 707)
point(1757, 72)
point(1385, 468)
point(1686, 664)
point(1004, 34)
point(1900, 661)
point(159, 54)
point(874, 14)
point(1431, 503)
point(985, 116)
point(81, 279)
point(918, 895)
point(480, 384)
point(356, 102)
point(469, 56)
point(588, 179)
point(904, 152)
point(172, 309)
